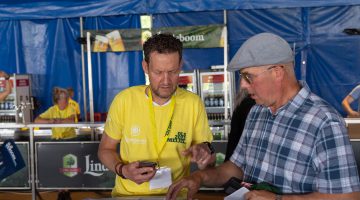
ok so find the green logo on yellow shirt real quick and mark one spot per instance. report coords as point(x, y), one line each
point(179, 138)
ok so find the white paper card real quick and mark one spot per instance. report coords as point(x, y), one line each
point(238, 194)
point(162, 178)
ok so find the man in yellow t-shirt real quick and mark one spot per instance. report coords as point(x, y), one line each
point(73, 103)
point(159, 123)
point(61, 112)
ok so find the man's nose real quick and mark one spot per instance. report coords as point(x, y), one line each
point(166, 78)
point(244, 84)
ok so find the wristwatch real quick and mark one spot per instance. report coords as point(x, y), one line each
point(278, 197)
point(211, 148)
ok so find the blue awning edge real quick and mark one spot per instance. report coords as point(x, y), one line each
point(46, 9)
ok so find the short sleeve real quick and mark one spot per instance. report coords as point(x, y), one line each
point(114, 121)
point(238, 156)
point(202, 129)
point(334, 159)
point(355, 93)
point(48, 114)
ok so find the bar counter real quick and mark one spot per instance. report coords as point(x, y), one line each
point(201, 195)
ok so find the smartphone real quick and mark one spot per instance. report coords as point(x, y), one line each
point(147, 164)
point(232, 185)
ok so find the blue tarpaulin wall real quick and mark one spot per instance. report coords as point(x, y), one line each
point(40, 38)
point(114, 71)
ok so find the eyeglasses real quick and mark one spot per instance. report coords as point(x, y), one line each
point(249, 78)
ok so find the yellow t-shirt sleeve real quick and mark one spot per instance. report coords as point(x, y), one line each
point(114, 121)
point(202, 129)
point(53, 112)
point(48, 114)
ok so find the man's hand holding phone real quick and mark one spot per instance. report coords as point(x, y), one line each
point(140, 171)
point(147, 164)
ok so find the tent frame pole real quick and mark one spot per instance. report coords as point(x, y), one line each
point(83, 70)
point(91, 95)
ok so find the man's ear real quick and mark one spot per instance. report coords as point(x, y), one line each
point(280, 72)
point(145, 67)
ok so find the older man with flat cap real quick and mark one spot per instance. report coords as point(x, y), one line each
point(294, 143)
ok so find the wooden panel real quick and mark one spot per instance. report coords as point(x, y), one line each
point(354, 131)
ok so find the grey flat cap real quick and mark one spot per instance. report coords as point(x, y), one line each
point(261, 49)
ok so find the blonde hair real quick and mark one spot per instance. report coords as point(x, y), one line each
point(59, 93)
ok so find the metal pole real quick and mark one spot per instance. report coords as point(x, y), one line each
point(32, 164)
point(227, 83)
point(91, 95)
point(83, 70)
point(198, 82)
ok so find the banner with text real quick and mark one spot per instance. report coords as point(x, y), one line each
point(71, 165)
point(210, 36)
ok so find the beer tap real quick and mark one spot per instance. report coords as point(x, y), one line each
point(22, 106)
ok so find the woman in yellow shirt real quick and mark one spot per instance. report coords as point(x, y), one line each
point(60, 113)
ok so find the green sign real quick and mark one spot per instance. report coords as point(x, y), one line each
point(211, 36)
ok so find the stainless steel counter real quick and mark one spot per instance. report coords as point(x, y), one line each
point(21, 132)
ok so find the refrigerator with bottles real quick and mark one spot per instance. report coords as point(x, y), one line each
point(17, 106)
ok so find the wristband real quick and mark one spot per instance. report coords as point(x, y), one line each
point(211, 148)
point(119, 171)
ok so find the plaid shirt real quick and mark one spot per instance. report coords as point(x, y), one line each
point(302, 148)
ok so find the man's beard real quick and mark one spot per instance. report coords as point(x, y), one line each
point(167, 96)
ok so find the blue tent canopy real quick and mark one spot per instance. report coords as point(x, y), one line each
point(39, 37)
point(46, 9)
